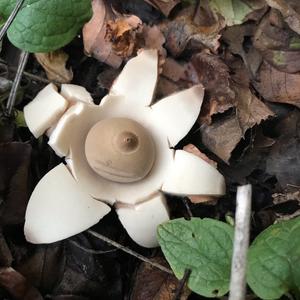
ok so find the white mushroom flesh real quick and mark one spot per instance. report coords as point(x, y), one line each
point(59, 208)
point(141, 220)
point(191, 175)
point(177, 113)
point(74, 93)
point(44, 110)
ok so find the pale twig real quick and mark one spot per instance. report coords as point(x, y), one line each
point(129, 251)
point(241, 243)
point(13, 93)
point(11, 18)
point(91, 251)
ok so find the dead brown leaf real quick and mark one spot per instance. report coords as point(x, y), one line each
point(290, 9)
point(222, 136)
point(17, 285)
point(108, 36)
point(54, 64)
point(165, 6)
point(186, 32)
point(276, 86)
point(154, 39)
point(278, 44)
point(213, 73)
point(6, 258)
point(154, 284)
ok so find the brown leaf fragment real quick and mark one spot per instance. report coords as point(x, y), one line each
point(250, 110)
point(17, 285)
point(276, 86)
point(278, 44)
point(54, 64)
point(165, 6)
point(185, 33)
point(154, 284)
point(214, 75)
point(5, 254)
point(194, 150)
point(290, 9)
point(154, 39)
point(222, 136)
point(108, 36)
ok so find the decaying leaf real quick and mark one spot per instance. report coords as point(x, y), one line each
point(222, 136)
point(165, 6)
point(290, 9)
point(214, 75)
point(5, 255)
point(54, 64)
point(108, 36)
point(278, 44)
point(154, 284)
point(187, 32)
point(17, 285)
point(276, 86)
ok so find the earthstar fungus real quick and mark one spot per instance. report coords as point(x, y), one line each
point(117, 153)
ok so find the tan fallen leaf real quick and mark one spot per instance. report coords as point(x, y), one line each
point(54, 63)
point(108, 36)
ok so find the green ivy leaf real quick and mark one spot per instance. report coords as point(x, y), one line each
point(203, 246)
point(274, 261)
point(45, 25)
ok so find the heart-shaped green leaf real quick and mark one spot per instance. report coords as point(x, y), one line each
point(203, 246)
point(43, 25)
point(274, 261)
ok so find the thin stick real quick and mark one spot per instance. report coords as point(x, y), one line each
point(182, 283)
point(13, 93)
point(11, 18)
point(91, 251)
point(129, 251)
point(241, 243)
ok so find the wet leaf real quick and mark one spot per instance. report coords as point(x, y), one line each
point(17, 285)
point(203, 246)
point(273, 261)
point(54, 64)
point(154, 284)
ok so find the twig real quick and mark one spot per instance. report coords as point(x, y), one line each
point(13, 93)
point(129, 251)
point(91, 251)
point(182, 283)
point(241, 243)
point(11, 18)
point(188, 209)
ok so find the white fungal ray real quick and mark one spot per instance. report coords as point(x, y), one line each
point(74, 93)
point(45, 110)
point(141, 220)
point(176, 114)
point(59, 208)
point(137, 81)
point(191, 175)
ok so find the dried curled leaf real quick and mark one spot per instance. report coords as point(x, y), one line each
point(54, 64)
point(108, 36)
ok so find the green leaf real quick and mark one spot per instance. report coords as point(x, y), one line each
point(233, 11)
point(203, 246)
point(274, 261)
point(44, 25)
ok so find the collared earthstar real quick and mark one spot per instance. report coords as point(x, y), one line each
point(119, 153)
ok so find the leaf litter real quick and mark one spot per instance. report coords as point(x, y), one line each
point(245, 53)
